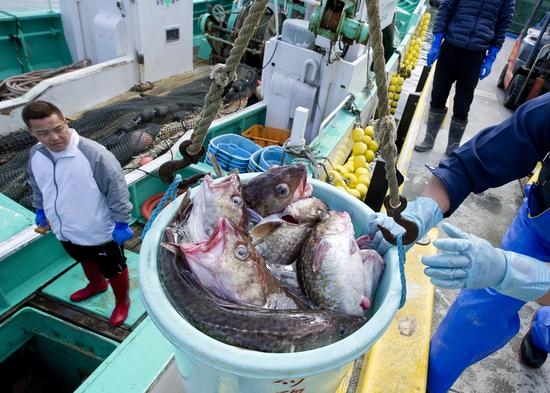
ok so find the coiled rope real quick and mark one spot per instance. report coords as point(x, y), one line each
point(169, 195)
point(18, 85)
point(386, 127)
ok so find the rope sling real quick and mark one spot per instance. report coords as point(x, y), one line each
point(387, 131)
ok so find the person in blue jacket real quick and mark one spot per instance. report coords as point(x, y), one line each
point(79, 191)
point(467, 36)
point(495, 282)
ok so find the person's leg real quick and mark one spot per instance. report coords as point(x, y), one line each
point(113, 265)
point(444, 78)
point(97, 283)
point(466, 82)
point(480, 321)
point(446, 73)
point(535, 345)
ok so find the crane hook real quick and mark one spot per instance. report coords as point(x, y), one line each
point(411, 230)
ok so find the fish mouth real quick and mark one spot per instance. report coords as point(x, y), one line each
point(304, 189)
point(224, 182)
point(289, 218)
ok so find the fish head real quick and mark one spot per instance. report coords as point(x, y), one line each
point(223, 197)
point(224, 261)
point(329, 328)
point(337, 223)
point(306, 210)
point(273, 190)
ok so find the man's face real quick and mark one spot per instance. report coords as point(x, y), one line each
point(51, 131)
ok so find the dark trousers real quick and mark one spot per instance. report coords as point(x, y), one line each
point(458, 65)
point(109, 257)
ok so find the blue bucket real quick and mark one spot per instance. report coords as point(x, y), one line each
point(254, 162)
point(210, 366)
point(273, 155)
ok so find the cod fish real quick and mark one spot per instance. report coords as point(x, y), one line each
point(278, 238)
point(273, 190)
point(213, 200)
point(251, 327)
point(330, 267)
point(228, 266)
point(373, 267)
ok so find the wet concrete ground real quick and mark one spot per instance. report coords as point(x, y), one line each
point(486, 215)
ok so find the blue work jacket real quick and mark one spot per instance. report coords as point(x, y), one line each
point(474, 25)
point(498, 154)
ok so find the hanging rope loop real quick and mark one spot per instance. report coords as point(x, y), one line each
point(222, 76)
point(387, 130)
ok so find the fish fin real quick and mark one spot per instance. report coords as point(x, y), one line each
point(253, 216)
point(365, 303)
point(364, 242)
point(185, 207)
point(320, 253)
point(353, 247)
point(172, 247)
point(266, 226)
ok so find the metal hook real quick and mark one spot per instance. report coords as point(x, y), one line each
point(166, 170)
point(411, 230)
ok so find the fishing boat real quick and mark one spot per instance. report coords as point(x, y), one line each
point(314, 63)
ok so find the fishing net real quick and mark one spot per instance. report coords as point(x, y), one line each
point(144, 126)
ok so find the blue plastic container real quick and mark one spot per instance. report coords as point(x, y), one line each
point(232, 151)
point(254, 162)
point(273, 155)
point(210, 366)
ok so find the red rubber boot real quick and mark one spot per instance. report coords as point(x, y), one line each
point(121, 288)
point(97, 284)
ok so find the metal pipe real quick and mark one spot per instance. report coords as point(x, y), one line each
point(333, 113)
point(276, 13)
point(312, 2)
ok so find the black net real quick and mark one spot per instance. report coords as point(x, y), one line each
point(145, 126)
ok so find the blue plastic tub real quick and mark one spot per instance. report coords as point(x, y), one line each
point(254, 162)
point(237, 140)
point(232, 151)
point(210, 366)
point(273, 155)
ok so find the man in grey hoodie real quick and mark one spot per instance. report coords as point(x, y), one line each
point(79, 191)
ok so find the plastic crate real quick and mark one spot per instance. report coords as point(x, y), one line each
point(266, 136)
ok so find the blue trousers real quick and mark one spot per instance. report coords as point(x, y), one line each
point(481, 321)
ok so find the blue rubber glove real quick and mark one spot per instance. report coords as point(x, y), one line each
point(122, 232)
point(468, 261)
point(40, 218)
point(433, 54)
point(423, 211)
point(488, 62)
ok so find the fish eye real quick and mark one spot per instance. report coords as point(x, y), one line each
point(241, 252)
point(237, 200)
point(342, 330)
point(322, 214)
point(282, 190)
